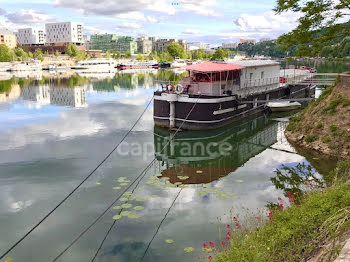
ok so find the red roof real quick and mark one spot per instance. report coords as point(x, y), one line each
point(213, 67)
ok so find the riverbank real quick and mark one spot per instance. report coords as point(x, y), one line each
point(324, 126)
point(314, 228)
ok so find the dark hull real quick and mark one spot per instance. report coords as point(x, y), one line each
point(203, 116)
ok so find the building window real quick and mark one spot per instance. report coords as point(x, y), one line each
point(262, 74)
point(251, 76)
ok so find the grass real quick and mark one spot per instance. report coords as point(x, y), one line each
point(335, 130)
point(311, 138)
point(294, 234)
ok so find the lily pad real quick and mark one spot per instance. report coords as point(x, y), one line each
point(117, 207)
point(140, 199)
point(117, 217)
point(239, 181)
point(165, 178)
point(133, 215)
point(183, 177)
point(220, 197)
point(98, 183)
point(159, 175)
point(189, 249)
point(199, 172)
point(202, 193)
point(126, 205)
point(138, 208)
point(154, 196)
point(116, 187)
point(125, 213)
point(178, 183)
point(127, 194)
point(123, 199)
point(169, 241)
point(124, 184)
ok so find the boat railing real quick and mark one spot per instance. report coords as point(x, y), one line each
point(261, 82)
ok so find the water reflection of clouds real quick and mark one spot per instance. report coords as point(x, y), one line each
point(54, 124)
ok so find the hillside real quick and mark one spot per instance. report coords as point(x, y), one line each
point(324, 126)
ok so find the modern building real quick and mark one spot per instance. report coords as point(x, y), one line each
point(30, 36)
point(197, 45)
point(39, 94)
point(67, 32)
point(8, 38)
point(247, 41)
point(121, 44)
point(229, 45)
point(144, 46)
point(161, 45)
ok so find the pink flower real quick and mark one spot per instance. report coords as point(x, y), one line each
point(211, 244)
point(227, 238)
point(279, 199)
point(280, 206)
point(210, 258)
point(223, 243)
point(205, 245)
point(235, 219)
point(228, 226)
point(238, 225)
point(228, 233)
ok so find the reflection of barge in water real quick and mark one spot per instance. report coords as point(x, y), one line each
point(215, 94)
point(198, 155)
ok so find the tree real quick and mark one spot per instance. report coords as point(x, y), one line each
point(39, 54)
point(318, 24)
point(108, 55)
point(71, 50)
point(5, 55)
point(21, 54)
point(57, 53)
point(140, 57)
point(176, 50)
point(127, 54)
point(219, 54)
point(118, 55)
point(30, 54)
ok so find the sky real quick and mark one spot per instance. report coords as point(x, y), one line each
point(209, 21)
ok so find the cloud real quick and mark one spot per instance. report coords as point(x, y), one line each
point(205, 8)
point(190, 31)
point(115, 8)
point(2, 11)
point(129, 26)
point(29, 17)
point(137, 16)
point(268, 22)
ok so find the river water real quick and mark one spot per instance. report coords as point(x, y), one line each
point(55, 130)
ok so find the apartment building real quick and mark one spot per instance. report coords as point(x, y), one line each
point(30, 36)
point(247, 41)
point(229, 45)
point(8, 38)
point(161, 45)
point(67, 32)
point(144, 46)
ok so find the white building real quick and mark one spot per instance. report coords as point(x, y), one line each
point(39, 94)
point(67, 32)
point(229, 45)
point(198, 45)
point(30, 36)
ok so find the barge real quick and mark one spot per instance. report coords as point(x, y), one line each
point(215, 94)
point(139, 65)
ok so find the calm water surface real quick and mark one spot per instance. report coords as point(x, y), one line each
point(54, 131)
